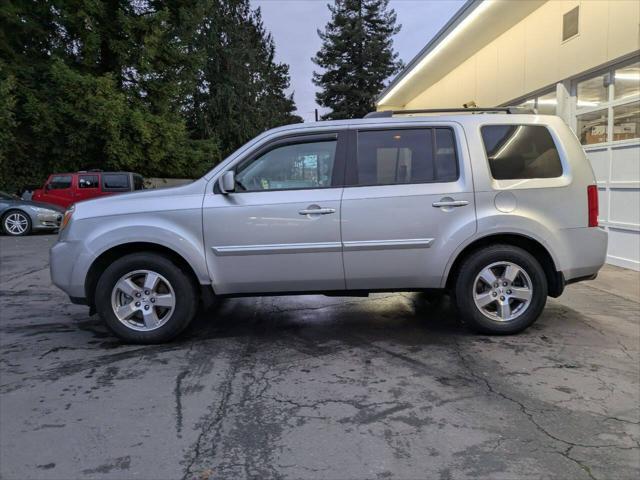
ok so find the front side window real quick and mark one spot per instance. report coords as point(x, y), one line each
point(115, 181)
point(521, 152)
point(390, 157)
point(295, 166)
point(88, 181)
point(60, 182)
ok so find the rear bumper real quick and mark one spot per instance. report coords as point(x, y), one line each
point(585, 253)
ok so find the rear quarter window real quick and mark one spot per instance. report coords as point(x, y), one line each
point(115, 181)
point(518, 152)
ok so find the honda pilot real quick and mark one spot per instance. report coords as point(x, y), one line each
point(499, 208)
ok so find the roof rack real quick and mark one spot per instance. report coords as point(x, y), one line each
point(391, 113)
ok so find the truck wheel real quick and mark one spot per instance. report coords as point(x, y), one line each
point(16, 223)
point(146, 298)
point(500, 290)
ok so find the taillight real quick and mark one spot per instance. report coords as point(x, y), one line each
point(592, 201)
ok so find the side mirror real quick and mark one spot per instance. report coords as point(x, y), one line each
point(227, 182)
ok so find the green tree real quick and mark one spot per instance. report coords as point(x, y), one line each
point(241, 88)
point(126, 84)
point(356, 57)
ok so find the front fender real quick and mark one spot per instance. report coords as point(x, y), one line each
point(179, 231)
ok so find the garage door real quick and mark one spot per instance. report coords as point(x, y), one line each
point(608, 125)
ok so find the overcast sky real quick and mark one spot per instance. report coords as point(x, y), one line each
point(293, 24)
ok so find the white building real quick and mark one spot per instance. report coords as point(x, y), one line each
point(577, 59)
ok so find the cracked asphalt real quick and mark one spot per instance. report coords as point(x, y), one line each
point(390, 386)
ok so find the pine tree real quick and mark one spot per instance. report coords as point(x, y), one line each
point(356, 57)
point(241, 88)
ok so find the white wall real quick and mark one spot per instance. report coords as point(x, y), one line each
point(531, 55)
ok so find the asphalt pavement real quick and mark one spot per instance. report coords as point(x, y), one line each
point(386, 387)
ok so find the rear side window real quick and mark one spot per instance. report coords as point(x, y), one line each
point(390, 157)
point(60, 182)
point(88, 181)
point(521, 152)
point(115, 181)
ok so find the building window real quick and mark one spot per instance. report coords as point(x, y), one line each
point(592, 127)
point(627, 81)
point(570, 21)
point(626, 121)
point(607, 105)
point(545, 104)
point(593, 92)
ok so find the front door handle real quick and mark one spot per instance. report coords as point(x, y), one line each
point(450, 203)
point(317, 211)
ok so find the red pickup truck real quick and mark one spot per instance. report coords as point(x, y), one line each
point(65, 189)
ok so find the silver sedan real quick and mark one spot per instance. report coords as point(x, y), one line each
point(21, 217)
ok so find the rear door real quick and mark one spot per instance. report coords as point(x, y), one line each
point(408, 203)
point(88, 186)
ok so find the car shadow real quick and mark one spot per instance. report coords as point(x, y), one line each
point(409, 318)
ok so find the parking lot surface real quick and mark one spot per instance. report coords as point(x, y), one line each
point(390, 386)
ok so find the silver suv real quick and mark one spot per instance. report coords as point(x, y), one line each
point(497, 208)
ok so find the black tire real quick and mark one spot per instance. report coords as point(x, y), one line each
point(184, 288)
point(465, 285)
point(22, 215)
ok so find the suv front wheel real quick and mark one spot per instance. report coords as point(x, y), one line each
point(146, 298)
point(500, 289)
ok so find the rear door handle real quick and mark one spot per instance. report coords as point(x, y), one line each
point(450, 203)
point(317, 211)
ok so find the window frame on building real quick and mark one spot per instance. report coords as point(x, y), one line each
point(532, 100)
point(609, 104)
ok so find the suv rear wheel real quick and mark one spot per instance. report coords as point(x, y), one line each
point(146, 298)
point(500, 289)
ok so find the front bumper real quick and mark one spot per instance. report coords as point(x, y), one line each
point(64, 257)
point(47, 221)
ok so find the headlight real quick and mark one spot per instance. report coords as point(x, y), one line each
point(43, 210)
point(67, 216)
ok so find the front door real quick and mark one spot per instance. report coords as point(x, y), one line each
point(59, 190)
point(280, 230)
point(407, 205)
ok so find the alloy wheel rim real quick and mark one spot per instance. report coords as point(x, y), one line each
point(502, 291)
point(143, 300)
point(16, 223)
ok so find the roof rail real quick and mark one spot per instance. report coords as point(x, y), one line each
point(391, 113)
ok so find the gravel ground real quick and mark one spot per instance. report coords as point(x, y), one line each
point(389, 386)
